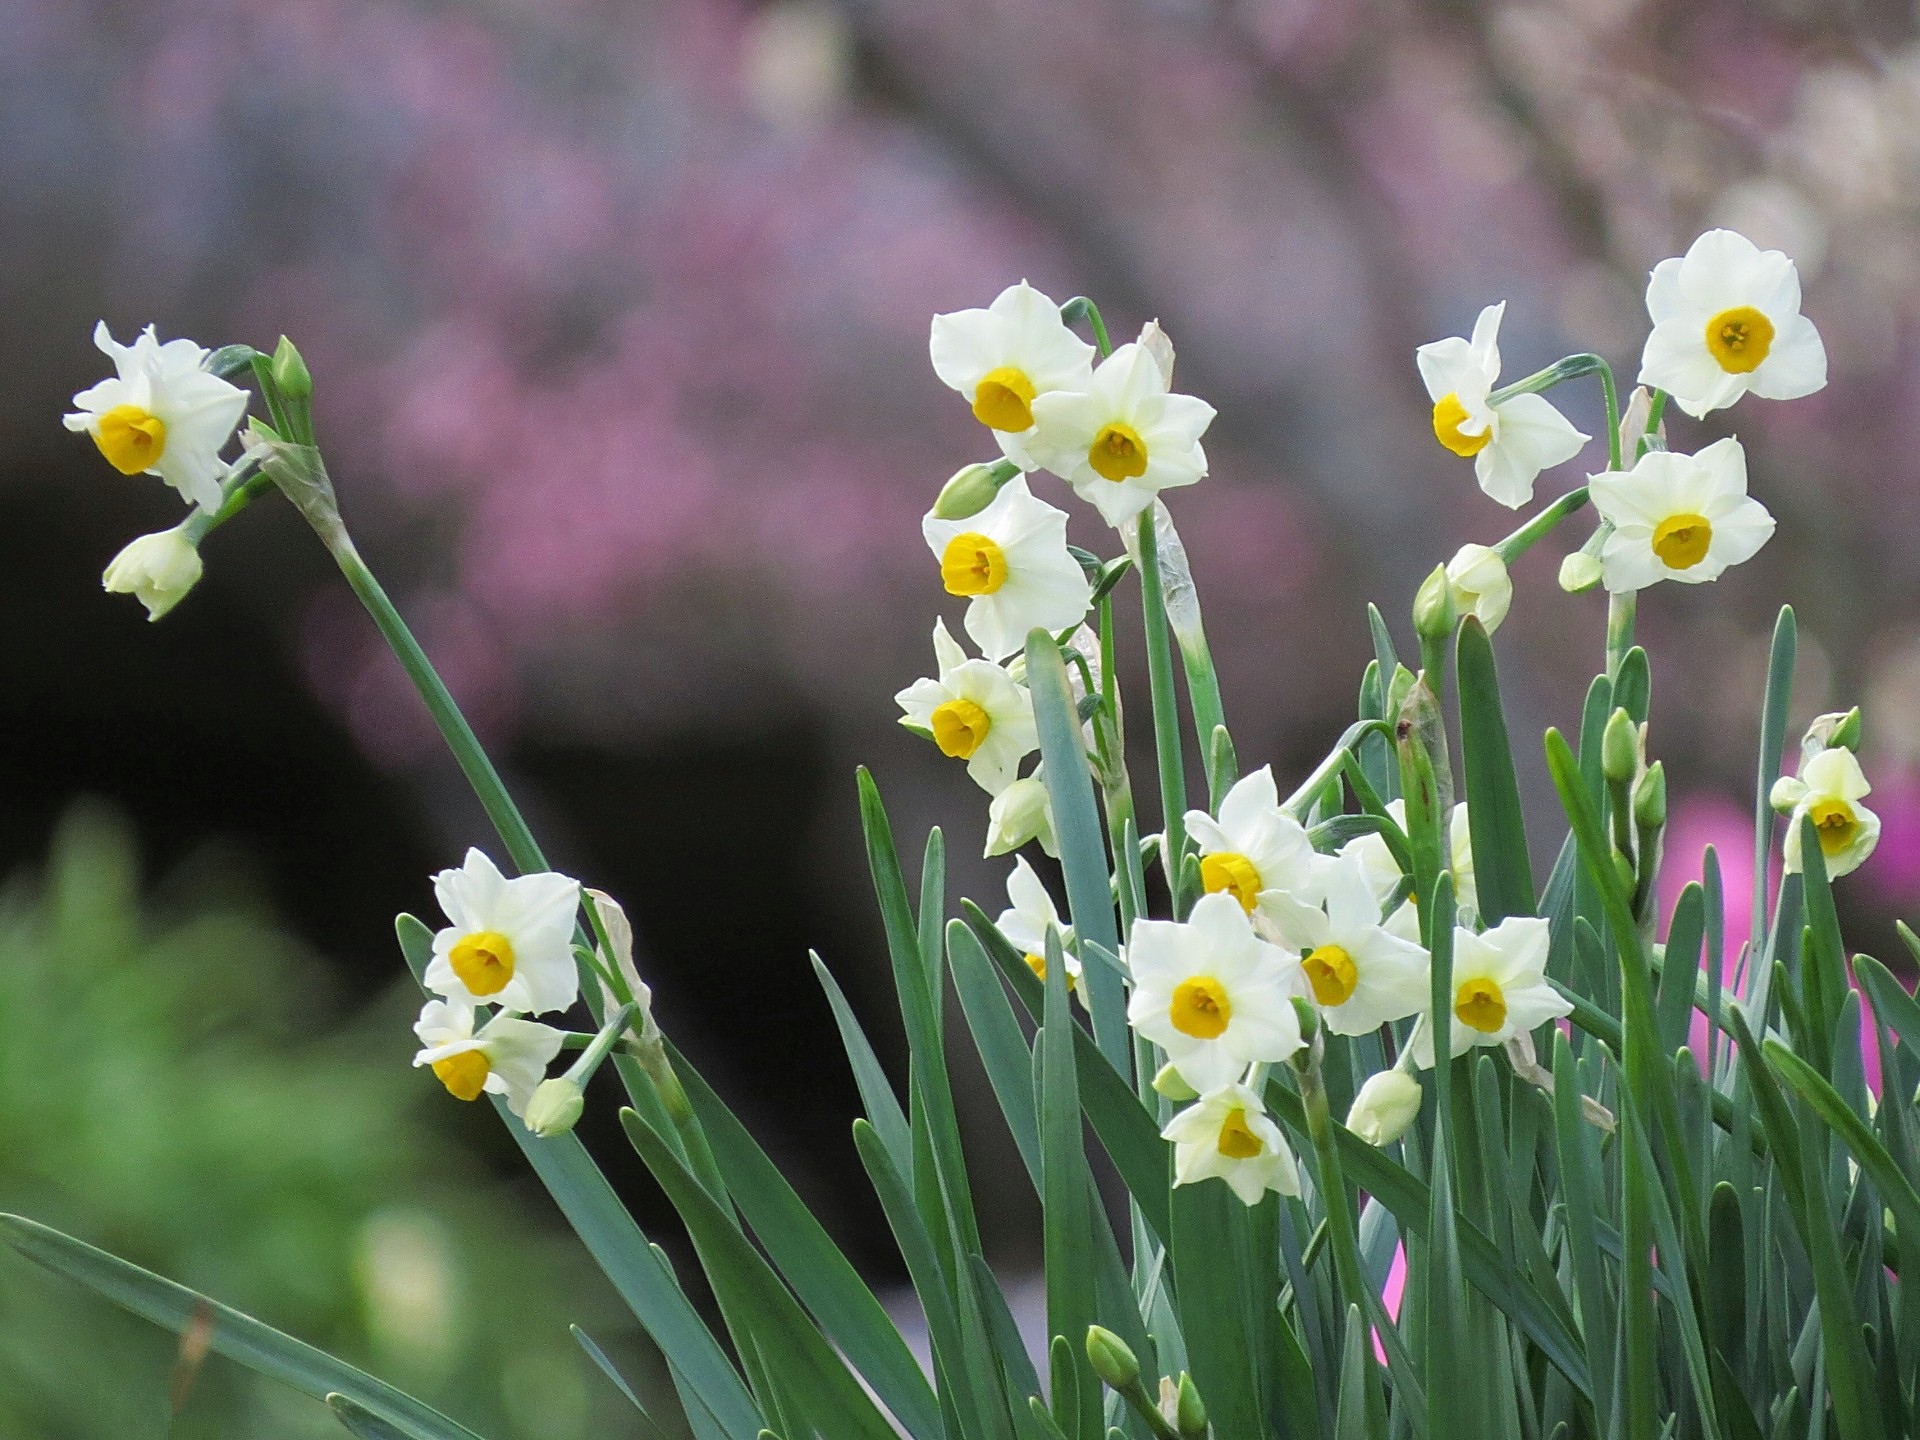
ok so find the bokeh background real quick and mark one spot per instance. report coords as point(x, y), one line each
point(618, 310)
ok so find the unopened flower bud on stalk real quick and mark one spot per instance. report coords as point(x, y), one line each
point(1579, 573)
point(972, 489)
point(1836, 730)
point(158, 570)
point(1190, 1412)
point(555, 1108)
point(1620, 748)
point(1169, 1083)
point(1650, 797)
point(1481, 585)
point(1386, 1105)
point(1434, 610)
point(290, 373)
point(1020, 813)
point(1112, 1361)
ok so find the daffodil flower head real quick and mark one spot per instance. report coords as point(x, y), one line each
point(1828, 792)
point(1499, 988)
point(510, 942)
point(509, 1056)
point(1228, 1134)
point(158, 570)
point(1211, 993)
point(1255, 851)
point(974, 711)
point(1012, 563)
point(1678, 517)
point(1726, 320)
point(1021, 812)
point(1360, 974)
point(161, 414)
point(1124, 438)
point(1481, 585)
point(1029, 917)
point(1005, 357)
point(1509, 443)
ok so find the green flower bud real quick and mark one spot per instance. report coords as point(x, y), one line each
point(1835, 730)
point(1434, 610)
point(1112, 1361)
point(1190, 1412)
point(972, 489)
point(1650, 797)
point(290, 372)
point(1579, 572)
point(1170, 1083)
point(1620, 749)
point(555, 1108)
point(1309, 1019)
point(1623, 867)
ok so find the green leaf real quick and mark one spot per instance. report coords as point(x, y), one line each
point(1773, 740)
point(1350, 1418)
point(996, 1035)
point(1065, 1186)
point(649, 1429)
point(1897, 1010)
point(1680, 969)
point(1503, 874)
point(362, 1421)
point(876, 1093)
point(239, 1337)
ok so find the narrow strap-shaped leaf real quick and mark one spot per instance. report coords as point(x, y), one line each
point(996, 1035)
point(361, 1421)
point(876, 1093)
point(1580, 1175)
point(1680, 969)
point(1209, 1240)
point(1503, 875)
point(1773, 740)
point(1897, 1010)
point(1823, 971)
point(649, 1429)
point(1350, 1415)
point(1065, 1186)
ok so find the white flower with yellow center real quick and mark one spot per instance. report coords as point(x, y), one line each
point(1011, 562)
point(1384, 874)
point(1028, 919)
point(1211, 993)
point(1726, 320)
point(1255, 851)
point(1509, 443)
point(1021, 812)
point(1006, 356)
point(1481, 585)
point(974, 711)
point(161, 414)
point(1123, 438)
point(1828, 791)
point(1678, 517)
point(1361, 975)
point(1500, 988)
point(511, 941)
point(157, 569)
point(508, 1057)
point(1227, 1133)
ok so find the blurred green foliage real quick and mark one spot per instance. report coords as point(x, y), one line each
point(176, 1085)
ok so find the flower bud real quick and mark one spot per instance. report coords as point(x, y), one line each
point(1112, 1361)
point(157, 569)
point(1385, 1107)
point(1787, 793)
point(1309, 1018)
point(1020, 813)
point(1836, 730)
point(1579, 572)
point(1650, 797)
point(1620, 749)
point(555, 1107)
point(1481, 585)
point(1172, 1084)
point(972, 489)
point(1190, 1412)
point(1434, 611)
point(290, 373)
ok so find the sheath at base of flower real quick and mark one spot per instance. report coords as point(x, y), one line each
point(1021, 812)
point(1004, 357)
point(1678, 517)
point(157, 570)
point(1227, 1134)
point(1256, 852)
point(1387, 1104)
point(1361, 974)
point(161, 414)
point(1011, 562)
point(1481, 585)
point(1211, 993)
point(1029, 917)
point(1726, 320)
point(511, 941)
point(509, 1056)
point(1124, 438)
point(1828, 792)
point(974, 711)
point(1500, 988)
point(1509, 443)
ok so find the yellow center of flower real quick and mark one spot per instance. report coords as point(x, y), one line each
point(959, 728)
point(1118, 453)
point(1480, 1004)
point(972, 565)
point(1834, 823)
point(1237, 1140)
point(1331, 972)
point(1448, 416)
point(1003, 400)
point(464, 1075)
point(132, 439)
point(483, 961)
point(1200, 1008)
point(1232, 873)
point(1739, 339)
point(1681, 541)
point(1038, 964)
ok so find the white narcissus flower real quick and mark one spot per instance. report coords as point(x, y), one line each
point(975, 712)
point(1726, 320)
point(1021, 812)
point(158, 570)
point(1227, 1133)
point(161, 414)
point(1011, 561)
point(1383, 872)
point(1481, 585)
point(1828, 791)
point(1509, 443)
point(1004, 357)
point(1211, 993)
point(1031, 915)
point(1123, 438)
point(1361, 975)
point(511, 941)
point(1500, 988)
point(1255, 851)
point(1678, 517)
point(508, 1057)
point(1387, 1104)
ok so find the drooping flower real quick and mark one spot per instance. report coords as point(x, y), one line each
point(974, 711)
point(1361, 974)
point(1027, 920)
point(1011, 561)
point(1828, 791)
point(1509, 443)
point(1678, 517)
point(158, 570)
point(1255, 851)
point(1004, 357)
point(508, 1057)
point(1726, 320)
point(1124, 437)
point(1481, 585)
point(1387, 1104)
point(510, 942)
point(161, 414)
point(1211, 993)
point(1021, 812)
point(1227, 1133)
point(1499, 988)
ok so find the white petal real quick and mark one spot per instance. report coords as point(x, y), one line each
point(1797, 364)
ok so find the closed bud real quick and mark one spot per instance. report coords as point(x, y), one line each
point(972, 489)
point(1190, 1412)
point(1172, 1084)
point(1020, 813)
point(1623, 868)
point(1434, 611)
point(1112, 1361)
point(1620, 749)
point(1386, 1105)
point(1650, 797)
point(1309, 1019)
point(1481, 585)
point(1836, 730)
point(290, 373)
point(158, 570)
point(1579, 572)
point(555, 1108)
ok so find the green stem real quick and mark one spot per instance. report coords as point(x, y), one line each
point(1539, 527)
point(1166, 711)
point(1080, 307)
point(238, 491)
point(1655, 410)
point(1620, 613)
point(1612, 395)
